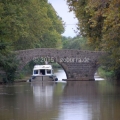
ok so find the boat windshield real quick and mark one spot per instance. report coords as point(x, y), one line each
point(35, 71)
point(48, 71)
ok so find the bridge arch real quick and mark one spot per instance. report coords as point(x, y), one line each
point(77, 64)
point(44, 58)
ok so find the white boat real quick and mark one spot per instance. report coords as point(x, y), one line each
point(43, 73)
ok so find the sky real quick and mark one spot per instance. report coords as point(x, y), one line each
point(68, 17)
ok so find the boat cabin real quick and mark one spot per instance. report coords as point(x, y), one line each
point(42, 70)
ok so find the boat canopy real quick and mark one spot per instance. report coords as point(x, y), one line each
point(36, 67)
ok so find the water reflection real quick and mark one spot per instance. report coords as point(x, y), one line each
point(90, 101)
point(79, 100)
point(62, 75)
point(43, 93)
point(30, 101)
point(97, 77)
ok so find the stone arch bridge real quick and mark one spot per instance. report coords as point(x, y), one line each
point(77, 64)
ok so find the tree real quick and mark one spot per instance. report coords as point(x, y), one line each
point(44, 26)
point(8, 63)
point(25, 23)
point(52, 37)
point(99, 21)
point(75, 43)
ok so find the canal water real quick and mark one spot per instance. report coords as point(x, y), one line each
point(82, 100)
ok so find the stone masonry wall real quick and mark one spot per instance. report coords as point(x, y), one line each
point(78, 64)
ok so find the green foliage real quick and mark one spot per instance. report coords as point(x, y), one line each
point(52, 37)
point(107, 74)
point(8, 63)
point(12, 23)
point(26, 23)
point(75, 43)
point(10, 66)
point(56, 66)
point(57, 23)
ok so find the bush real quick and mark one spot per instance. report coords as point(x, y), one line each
point(105, 74)
point(9, 64)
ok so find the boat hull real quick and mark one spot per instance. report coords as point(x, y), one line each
point(43, 78)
